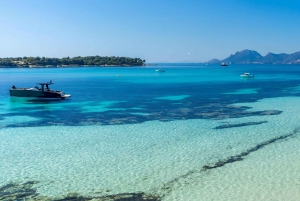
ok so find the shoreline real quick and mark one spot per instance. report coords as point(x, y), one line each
point(68, 66)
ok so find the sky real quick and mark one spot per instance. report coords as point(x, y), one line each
point(154, 30)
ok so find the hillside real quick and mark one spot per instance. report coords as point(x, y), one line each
point(253, 57)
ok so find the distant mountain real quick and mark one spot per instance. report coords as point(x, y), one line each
point(245, 56)
point(214, 61)
point(274, 58)
point(253, 57)
point(295, 57)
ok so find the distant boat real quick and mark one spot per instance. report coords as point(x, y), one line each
point(224, 64)
point(247, 75)
point(160, 70)
point(38, 92)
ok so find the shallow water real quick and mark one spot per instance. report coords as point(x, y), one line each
point(192, 133)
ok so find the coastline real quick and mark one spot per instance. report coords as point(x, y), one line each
point(143, 65)
point(68, 66)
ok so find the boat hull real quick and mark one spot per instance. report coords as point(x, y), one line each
point(247, 76)
point(24, 92)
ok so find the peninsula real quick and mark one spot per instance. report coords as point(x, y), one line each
point(253, 57)
point(35, 62)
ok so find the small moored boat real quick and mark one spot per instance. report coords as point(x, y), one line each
point(247, 75)
point(224, 64)
point(159, 70)
point(41, 90)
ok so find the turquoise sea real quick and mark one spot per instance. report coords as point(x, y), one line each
point(193, 133)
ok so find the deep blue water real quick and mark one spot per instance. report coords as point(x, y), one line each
point(133, 95)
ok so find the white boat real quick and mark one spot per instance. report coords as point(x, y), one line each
point(159, 70)
point(38, 92)
point(247, 75)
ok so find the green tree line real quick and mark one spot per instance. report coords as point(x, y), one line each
point(75, 61)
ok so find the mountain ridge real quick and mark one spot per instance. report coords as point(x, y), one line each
point(253, 57)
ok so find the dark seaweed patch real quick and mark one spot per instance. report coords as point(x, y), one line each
point(240, 125)
point(241, 156)
point(75, 117)
point(132, 197)
point(167, 187)
point(117, 197)
point(25, 191)
point(14, 191)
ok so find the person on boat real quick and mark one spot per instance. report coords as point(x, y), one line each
point(14, 87)
point(47, 87)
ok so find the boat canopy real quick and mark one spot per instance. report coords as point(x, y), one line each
point(44, 83)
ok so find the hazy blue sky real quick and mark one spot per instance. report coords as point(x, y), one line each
point(154, 30)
